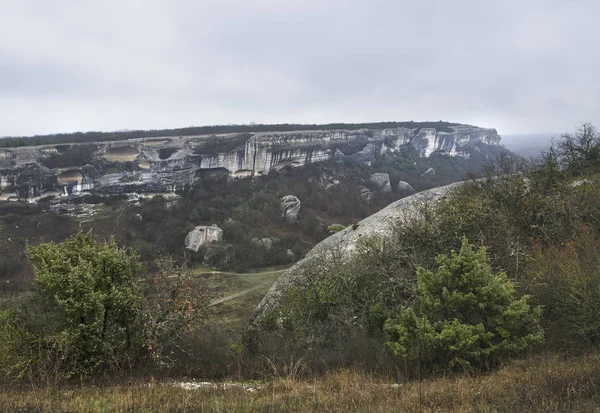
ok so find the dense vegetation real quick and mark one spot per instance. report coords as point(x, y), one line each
point(246, 209)
point(540, 225)
point(97, 313)
point(70, 155)
point(89, 137)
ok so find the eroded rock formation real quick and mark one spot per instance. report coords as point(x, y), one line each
point(163, 165)
point(203, 235)
point(290, 207)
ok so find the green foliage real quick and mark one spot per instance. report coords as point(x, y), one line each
point(165, 153)
point(565, 280)
point(514, 211)
point(19, 349)
point(464, 316)
point(88, 287)
point(71, 155)
point(333, 228)
point(334, 298)
point(172, 307)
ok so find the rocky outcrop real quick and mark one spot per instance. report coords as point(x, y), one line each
point(266, 243)
point(382, 180)
point(366, 194)
point(290, 207)
point(429, 172)
point(163, 165)
point(428, 141)
point(405, 189)
point(203, 235)
point(219, 253)
point(345, 241)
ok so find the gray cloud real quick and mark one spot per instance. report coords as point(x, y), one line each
point(519, 66)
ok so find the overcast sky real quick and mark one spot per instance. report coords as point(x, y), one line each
point(521, 66)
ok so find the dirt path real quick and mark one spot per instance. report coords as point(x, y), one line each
point(244, 292)
point(236, 295)
point(240, 274)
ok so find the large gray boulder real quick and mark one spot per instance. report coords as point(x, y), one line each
point(405, 189)
point(203, 235)
point(290, 207)
point(344, 242)
point(382, 180)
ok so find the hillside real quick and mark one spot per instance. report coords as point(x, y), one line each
point(151, 193)
point(480, 284)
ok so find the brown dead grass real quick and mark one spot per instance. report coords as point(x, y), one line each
point(543, 383)
point(121, 154)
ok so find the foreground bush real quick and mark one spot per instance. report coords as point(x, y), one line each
point(88, 289)
point(565, 280)
point(91, 311)
point(464, 316)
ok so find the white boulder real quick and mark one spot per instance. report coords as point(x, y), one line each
point(290, 207)
point(203, 235)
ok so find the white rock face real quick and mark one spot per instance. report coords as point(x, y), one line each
point(405, 189)
point(203, 235)
point(382, 180)
point(167, 164)
point(427, 140)
point(290, 206)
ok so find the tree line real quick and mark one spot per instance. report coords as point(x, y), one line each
point(96, 136)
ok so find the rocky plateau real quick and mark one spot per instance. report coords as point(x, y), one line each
point(149, 166)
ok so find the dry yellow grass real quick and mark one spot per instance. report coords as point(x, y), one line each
point(121, 154)
point(68, 177)
point(543, 383)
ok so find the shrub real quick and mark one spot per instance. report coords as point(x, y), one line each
point(565, 280)
point(18, 352)
point(172, 304)
point(89, 288)
point(580, 152)
point(71, 155)
point(333, 228)
point(463, 317)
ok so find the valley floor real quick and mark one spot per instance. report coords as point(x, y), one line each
point(542, 383)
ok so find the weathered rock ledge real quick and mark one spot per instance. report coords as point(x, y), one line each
point(163, 165)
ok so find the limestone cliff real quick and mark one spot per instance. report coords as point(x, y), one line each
point(162, 165)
